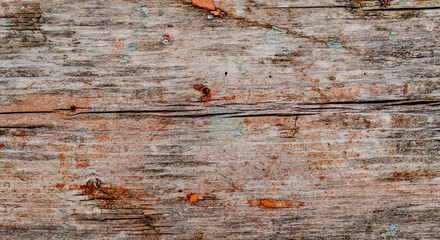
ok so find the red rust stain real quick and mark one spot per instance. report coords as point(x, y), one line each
point(206, 4)
point(60, 186)
point(204, 90)
point(2, 145)
point(275, 203)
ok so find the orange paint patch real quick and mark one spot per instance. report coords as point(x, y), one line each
point(194, 197)
point(206, 4)
point(267, 203)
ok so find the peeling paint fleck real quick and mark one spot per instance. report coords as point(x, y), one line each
point(283, 53)
point(392, 229)
point(206, 4)
point(194, 197)
point(131, 48)
point(335, 45)
point(166, 39)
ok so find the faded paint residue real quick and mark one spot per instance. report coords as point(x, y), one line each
point(28, 32)
point(275, 203)
point(392, 229)
point(240, 65)
point(231, 128)
point(275, 35)
point(124, 59)
point(139, 16)
point(206, 4)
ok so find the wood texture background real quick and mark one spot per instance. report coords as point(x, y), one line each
point(103, 136)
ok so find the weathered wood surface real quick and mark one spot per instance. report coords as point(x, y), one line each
point(103, 136)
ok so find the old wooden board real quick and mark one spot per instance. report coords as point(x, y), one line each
point(322, 122)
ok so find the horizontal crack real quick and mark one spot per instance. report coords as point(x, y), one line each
point(401, 9)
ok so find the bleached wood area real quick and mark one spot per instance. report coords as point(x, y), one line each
point(288, 119)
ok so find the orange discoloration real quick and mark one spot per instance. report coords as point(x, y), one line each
point(107, 195)
point(60, 186)
point(229, 98)
point(409, 176)
point(82, 165)
point(47, 103)
point(206, 4)
point(275, 203)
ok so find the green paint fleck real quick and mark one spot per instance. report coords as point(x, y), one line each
point(131, 48)
point(124, 59)
point(21, 7)
point(334, 45)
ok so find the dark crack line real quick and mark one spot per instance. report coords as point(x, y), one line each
point(400, 9)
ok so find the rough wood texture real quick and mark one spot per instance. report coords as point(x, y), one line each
point(103, 135)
